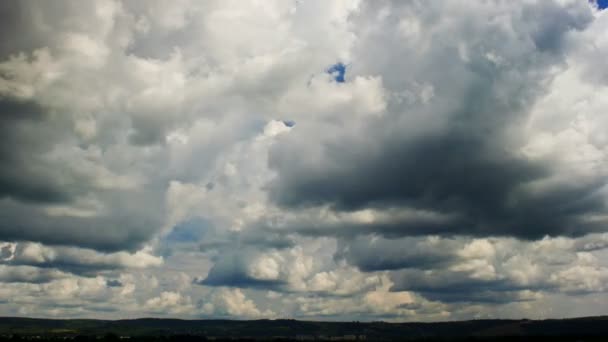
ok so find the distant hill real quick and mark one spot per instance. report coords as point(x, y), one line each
point(588, 327)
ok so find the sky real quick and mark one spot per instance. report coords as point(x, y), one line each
point(343, 160)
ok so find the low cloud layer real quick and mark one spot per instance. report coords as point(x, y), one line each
point(352, 160)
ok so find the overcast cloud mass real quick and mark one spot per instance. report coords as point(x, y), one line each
point(339, 160)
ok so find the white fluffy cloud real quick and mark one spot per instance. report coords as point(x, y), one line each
point(233, 303)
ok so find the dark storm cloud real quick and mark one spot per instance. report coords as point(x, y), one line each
point(447, 286)
point(122, 229)
point(476, 192)
point(113, 283)
point(16, 109)
point(459, 155)
point(377, 254)
point(453, 169)
point(26, 135)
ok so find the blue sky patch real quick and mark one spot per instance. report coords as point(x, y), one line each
point(337, 70)
point(602, 4)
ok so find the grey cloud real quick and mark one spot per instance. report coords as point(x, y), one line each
point(28, 134)
point(548, 35)
point(158, 41)
point(78, 260)
point(397, 222)
point(114, 283)
point(483, 270)
point(231, 269)
point(127, 227)
point(265, 240)
point(67, 178)
point(370, 253)
point(459, 154)
point(592, 243)
point(103, 308)
point(477, 295)
point(6, 252)
point(15, 16)
point(133, 118)
point(236, 278)
point(16, 109)
point(27, 274)
point(430, 281)
point(446, 286)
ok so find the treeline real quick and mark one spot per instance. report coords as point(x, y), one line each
point(110, 337)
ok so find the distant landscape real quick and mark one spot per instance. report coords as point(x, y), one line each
point(303, 170)
point(576, 329)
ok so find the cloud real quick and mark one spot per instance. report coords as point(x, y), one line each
point(169, 303)
point(502, 271)
point(233, 270)
point(26, 274)
point(461, 151)
point(378, 254)
point(75, 260)
point(356, 160)
point(233, 303)
point(114, 283)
